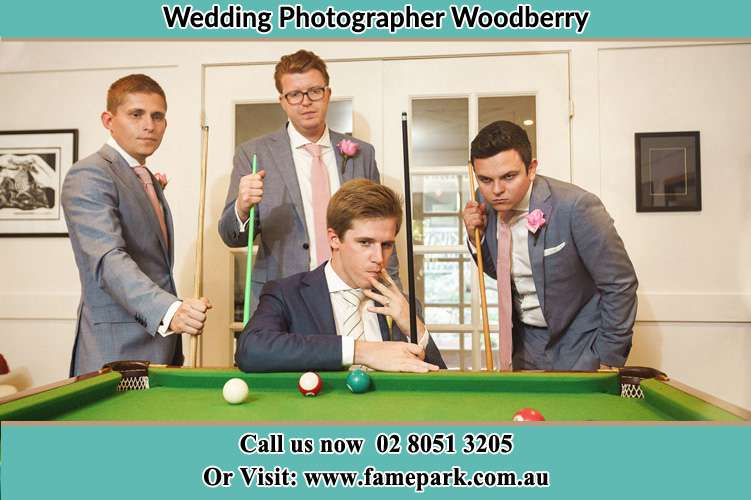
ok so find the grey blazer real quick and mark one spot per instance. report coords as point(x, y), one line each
point(283, 248)
point(584, 278)
point(124, 264)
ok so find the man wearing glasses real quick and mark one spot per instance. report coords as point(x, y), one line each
point(299, 168)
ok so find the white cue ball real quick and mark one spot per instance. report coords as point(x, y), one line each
point(235, 391)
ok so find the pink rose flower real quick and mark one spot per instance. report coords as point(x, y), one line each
point(535, 220)
point(162, 179)
point(348, 149)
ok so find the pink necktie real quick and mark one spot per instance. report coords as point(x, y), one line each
point(148, 186)
point(319, 182)
point(503, 275)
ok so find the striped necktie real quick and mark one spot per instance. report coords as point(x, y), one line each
point(353, 325)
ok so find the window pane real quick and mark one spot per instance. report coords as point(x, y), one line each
point(439, 281)
point(440, 132)
point(442, 315)
point(437, 202)
point(439, 231)
point(517, 109)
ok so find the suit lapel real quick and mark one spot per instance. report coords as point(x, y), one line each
point(491, 236)
point(315, 294)
point(167, 220)
point(540, 199)
point(345, 174)
point(384, 326)
point(284, 163)
point(128, 177)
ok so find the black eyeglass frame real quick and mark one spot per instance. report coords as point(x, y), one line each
point(306, 93)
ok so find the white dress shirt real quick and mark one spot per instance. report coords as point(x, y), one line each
point(303, 164)
point(526, 302)
point(163, 329)
point(370, 319)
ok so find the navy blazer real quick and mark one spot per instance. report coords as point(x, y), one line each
point(293, 329)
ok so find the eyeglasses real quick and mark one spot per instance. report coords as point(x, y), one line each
point(297, 96)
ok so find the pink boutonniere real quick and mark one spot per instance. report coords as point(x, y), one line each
point(535, 220)
point(161, 179)
point(348, 149)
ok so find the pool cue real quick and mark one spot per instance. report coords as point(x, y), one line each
point(481, 278)
point(410, 246)
point(198, 278)
point(249, 259)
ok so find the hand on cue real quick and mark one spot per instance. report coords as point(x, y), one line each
point(249, 194)
point(474, 218)
point(190, 317)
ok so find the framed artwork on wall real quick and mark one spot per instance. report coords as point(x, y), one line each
point(668, 172)
point(33, 164)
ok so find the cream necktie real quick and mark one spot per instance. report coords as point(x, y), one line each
point(353, 325)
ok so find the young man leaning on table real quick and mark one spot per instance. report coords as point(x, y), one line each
point(335, 315)
point(566, 286)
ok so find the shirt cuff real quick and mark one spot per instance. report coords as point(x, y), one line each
point(243, 225)
point(423, 342)
point(471, 242)
point(348, 351)
point(163, 329)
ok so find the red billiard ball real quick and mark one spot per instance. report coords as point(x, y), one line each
point(309, 384)
point(528, 415)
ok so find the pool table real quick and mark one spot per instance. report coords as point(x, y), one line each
point(184, 394)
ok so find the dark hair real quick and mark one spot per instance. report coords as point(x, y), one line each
point(132, 84)
point(501, 136)
point(362, 199)
point(301, 61)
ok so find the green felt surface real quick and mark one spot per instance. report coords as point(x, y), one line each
point(195, 395)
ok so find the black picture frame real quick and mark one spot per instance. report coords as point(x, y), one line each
point(668, 171)
point(33, 164)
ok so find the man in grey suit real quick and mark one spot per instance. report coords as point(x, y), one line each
point(574, 287)
point(286, 190)
point(120, 228)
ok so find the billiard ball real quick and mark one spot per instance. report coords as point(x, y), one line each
point(309, 384)
point(358, 381)
point(528, 415)
point(235, 391)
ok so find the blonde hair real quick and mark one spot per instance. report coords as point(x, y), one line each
point(362, 199)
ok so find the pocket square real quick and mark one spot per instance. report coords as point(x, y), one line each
point(550, 251)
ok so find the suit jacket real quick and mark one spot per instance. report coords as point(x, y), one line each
point(293, 329)
point(284, 247)
point(124, 264)
point(584, 279)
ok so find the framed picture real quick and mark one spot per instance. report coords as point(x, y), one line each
point(668, 172)
point(33, 164)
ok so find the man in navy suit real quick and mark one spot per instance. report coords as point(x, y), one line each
point(335, 316)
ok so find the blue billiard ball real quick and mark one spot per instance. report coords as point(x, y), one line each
point(358, 381)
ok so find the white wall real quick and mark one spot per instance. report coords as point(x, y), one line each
point(694, 268)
